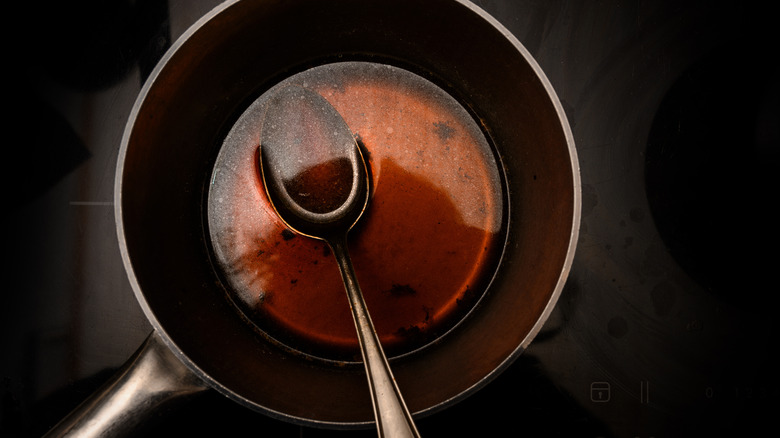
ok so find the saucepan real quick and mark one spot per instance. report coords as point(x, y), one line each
point(177, 126)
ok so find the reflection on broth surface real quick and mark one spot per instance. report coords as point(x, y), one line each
point(423, 250)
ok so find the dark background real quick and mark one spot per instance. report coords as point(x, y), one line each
point(666, 326)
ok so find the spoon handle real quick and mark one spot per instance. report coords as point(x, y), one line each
point(392, 416)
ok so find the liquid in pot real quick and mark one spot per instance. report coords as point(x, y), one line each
point(425, 248)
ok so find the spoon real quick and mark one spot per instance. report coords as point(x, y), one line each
point(316, 179)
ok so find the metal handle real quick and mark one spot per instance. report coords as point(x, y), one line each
point(153, 376)
point(392, 416)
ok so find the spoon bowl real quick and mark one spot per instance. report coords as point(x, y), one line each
point(312, 168)
point(316, 179)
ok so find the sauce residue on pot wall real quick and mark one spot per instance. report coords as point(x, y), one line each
point(425, 247)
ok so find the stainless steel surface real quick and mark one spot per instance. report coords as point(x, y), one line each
point(392, 416)
point(153, 377)
point(165, 168)
point(295, 117)
point(637, 347)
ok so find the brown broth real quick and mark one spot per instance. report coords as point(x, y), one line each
point(425, 247)
point(323, 187)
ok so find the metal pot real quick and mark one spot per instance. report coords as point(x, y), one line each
point(167, 153)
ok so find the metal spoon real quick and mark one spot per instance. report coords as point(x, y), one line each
point(316, 179)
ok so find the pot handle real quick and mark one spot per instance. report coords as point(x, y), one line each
point(153, 376)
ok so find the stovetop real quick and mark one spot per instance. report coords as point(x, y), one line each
point(664, 328)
